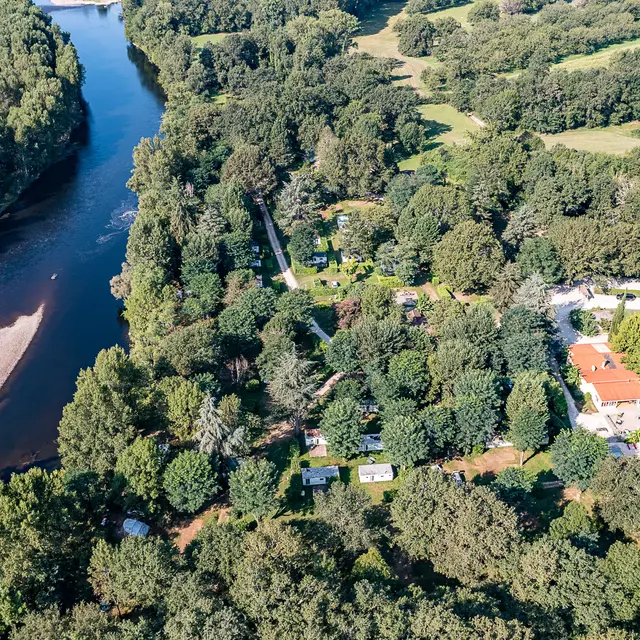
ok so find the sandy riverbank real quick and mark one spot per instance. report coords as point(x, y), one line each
point(14, 341)
point(83, 3)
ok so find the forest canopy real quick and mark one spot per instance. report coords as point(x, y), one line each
point(40, 95)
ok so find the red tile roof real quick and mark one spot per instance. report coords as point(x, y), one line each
point(604, 369)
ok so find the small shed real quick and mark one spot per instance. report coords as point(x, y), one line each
point(371, 442)
point(135, 528)
point(259, 282)
point(375, 472)
point(314, 438)
point(256, 264)
point(319, 475)
point(342, 220)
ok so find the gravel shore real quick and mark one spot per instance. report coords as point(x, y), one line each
point(14, 341)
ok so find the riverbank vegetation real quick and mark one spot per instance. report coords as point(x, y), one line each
point(224, 368)
point(40, 95)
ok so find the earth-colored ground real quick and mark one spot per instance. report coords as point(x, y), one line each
point(496, 460)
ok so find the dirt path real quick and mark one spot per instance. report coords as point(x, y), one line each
point(185, 532)
point(329, 384)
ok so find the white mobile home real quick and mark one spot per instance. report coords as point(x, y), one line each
point(319, 475)
point(375, 473)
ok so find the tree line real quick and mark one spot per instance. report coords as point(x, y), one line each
point(556, 31)
point(40, 95)
point(551, 101)
point(335, 576)
point(151, 22)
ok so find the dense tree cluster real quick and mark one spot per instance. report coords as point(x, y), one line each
point(553, 101)
point(451, 391)
point(151, 23)
point(330, 577)
point(514, 41)
point(40, 95)
point(504, 215)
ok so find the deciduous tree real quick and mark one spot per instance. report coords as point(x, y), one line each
point(341, 426)
point(190, 481)
point(577, 455)
point(253, 488)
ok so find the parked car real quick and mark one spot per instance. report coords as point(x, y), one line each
point(629, 296)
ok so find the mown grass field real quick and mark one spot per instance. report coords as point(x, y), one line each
point(601, 58)
point(447, 125)
point(613, 139)
point(200, 41)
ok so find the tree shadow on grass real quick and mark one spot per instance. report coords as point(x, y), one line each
point(435, 128)
point(383, 13)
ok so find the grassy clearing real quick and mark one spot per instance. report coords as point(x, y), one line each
point(447, 125)
point(577, 62)
point(614, 139)
point(492, 462)
point(601, 58)
point(214, 38)
point(461, 14)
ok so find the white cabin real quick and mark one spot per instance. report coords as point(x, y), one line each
point(375, 473)
point(314, 438)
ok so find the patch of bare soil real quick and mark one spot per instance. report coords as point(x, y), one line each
point(279, 433)
point(493, 461)
point(185, 532)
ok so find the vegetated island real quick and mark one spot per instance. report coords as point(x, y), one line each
point(14, 341)
point(41, 101)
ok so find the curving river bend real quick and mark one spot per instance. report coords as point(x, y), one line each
point(73, 221)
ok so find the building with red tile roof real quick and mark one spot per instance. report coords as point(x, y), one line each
point(604, 375)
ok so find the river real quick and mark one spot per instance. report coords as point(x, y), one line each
point(73, 221)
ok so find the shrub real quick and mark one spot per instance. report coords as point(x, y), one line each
point(584, 321)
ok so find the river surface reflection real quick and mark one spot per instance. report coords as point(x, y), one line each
point(73, 222)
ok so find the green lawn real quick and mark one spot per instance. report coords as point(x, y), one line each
point(447, 124)
point(613, 139)
point(200, 41)
point(599, 59)
point(459, 13)
point(349, 473)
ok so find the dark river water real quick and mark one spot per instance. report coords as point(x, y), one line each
point(73, 221)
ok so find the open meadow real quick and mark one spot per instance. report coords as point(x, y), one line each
point(613, 139)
